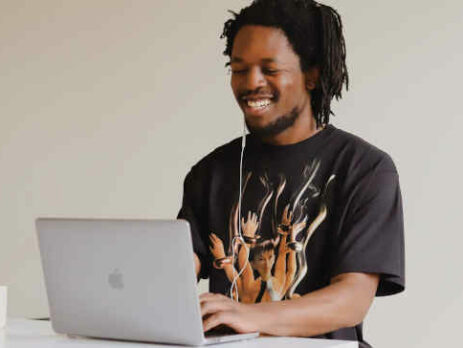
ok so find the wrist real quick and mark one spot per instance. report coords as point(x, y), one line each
point(262, 316)
point(220, 263)
point(256, 314)
point(251, 240)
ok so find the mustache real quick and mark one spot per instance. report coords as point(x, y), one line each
point(257, 93)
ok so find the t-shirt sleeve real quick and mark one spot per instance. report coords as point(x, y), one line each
point(371, 238)
point(193, 211)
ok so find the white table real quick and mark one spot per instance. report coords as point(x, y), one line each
point(26, 333)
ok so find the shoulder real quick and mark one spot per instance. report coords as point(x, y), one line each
point(218, 156)
point(360, 153)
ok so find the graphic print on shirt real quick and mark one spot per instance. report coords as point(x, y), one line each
point(275, 266)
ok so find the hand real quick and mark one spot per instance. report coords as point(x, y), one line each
point(250, 226)
point(217, 309)
point(287, 216)
point(216, 248)
point(285, 221)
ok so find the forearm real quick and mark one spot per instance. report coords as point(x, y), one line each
point(232, 274)
point(197, 265)
point(341, 304)
point(291, 272)
point(280, 264)
point(247, 275)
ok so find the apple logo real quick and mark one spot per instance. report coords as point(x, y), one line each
point(115, 280)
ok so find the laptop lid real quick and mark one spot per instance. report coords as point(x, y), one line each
point(121, 279)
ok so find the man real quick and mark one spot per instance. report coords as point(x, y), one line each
point(322, 226)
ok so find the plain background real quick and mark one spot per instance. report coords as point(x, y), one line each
point(106, 104)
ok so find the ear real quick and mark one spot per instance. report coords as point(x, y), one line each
point(312, 75)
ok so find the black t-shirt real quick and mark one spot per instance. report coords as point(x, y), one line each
point(327, 205)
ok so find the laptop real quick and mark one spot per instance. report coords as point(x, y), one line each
point(123, 279)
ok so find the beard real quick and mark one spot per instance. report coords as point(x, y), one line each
point(276, 127)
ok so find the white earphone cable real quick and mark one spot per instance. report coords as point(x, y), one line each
point(239, 238)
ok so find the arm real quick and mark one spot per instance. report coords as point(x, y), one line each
point(291, 273)
point(247, 275)
point(231, 273)
point(218, 251)
point(197, 265)
point(343, 303)
point(192, 211)
point(280, 264)
point(249, 228)
point(280, 267)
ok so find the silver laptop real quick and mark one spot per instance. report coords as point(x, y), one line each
point(123, 279)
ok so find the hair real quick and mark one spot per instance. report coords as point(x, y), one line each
point(315, 34)
point(261, 248)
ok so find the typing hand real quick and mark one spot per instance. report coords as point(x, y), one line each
point(217, 310)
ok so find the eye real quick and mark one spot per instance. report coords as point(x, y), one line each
point(269, 71)
point(237, 71)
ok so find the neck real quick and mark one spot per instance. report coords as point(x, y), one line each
point(303, 128)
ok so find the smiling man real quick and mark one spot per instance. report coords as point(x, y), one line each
point(322, 228)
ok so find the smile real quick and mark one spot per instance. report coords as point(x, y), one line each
point(261, 103)
point(257, 106)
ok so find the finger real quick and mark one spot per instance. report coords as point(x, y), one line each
point(211, 296)
point(213, 306)
point(216, 239)
point(213, 321)
point(218, 302)
point(208, 295)
point(285, 212)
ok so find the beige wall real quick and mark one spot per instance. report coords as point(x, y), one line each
point(105, 105)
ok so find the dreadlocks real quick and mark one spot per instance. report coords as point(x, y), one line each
point(315, 34)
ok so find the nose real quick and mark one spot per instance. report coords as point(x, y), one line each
point(254, 79)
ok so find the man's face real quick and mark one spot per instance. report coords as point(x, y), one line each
point(267, 80)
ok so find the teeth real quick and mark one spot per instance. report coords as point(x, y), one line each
point(258, 103)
